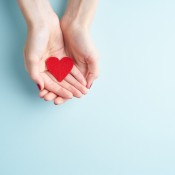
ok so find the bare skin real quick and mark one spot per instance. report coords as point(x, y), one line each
point(45, 38)
point(78, 43)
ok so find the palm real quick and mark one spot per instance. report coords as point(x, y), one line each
point(79, 47)
point(49, 42)
point(45, 43)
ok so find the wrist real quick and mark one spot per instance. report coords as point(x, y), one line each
point(74, 18)
point(69, 23)
point(36, 12)
point(43, 21)
point(79, 13)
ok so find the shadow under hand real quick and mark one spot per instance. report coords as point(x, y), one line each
point(16, 39)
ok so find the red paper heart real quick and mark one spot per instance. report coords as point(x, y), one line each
point(59, 68)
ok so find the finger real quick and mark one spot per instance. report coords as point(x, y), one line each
point(71, 80)
point(72, 89)
point(42, 93)
point(33, 70)
point(59, 100)
point(92, 71)
point(68, 86)
point(50, 96)
point(52, 86)
point(78, 75)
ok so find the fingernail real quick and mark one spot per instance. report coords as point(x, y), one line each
point(38, 86)
point(90, 85)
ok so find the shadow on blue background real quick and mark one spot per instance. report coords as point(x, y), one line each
point(16, 33)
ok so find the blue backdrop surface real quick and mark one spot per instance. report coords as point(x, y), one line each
point(124, 126)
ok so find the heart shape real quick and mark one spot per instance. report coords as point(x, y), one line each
point(59, 68)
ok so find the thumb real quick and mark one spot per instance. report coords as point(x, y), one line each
point(36, 76)
point(92, 71)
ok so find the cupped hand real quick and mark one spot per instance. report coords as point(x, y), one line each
point(43, 41)
point(79, 46)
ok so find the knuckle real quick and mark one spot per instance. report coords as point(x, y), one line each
point(33, 76)
point(94, 58)
point(47, 98)
point(58, 90)
point(70, 88)
point(83, 90)
point(78, 94)
point(51, 83)
point(74, 91)
point(96, 76)
point(77, 74)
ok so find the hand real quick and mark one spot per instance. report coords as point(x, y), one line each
point(78, 44)
point(45, 39)
point(41, 44)
point(75, 25)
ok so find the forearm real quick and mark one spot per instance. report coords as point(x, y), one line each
point(36, 12)
point(80, 11)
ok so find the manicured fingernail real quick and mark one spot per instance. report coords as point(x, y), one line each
point(38, 86)
point(90, 86)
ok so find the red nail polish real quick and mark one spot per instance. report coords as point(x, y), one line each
point(90, 86)
point(38, 86)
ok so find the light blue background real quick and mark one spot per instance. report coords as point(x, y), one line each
point(124, 126)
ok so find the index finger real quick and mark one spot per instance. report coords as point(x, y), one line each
point(78, 75)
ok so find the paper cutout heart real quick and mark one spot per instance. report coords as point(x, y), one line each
point(59, 68)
